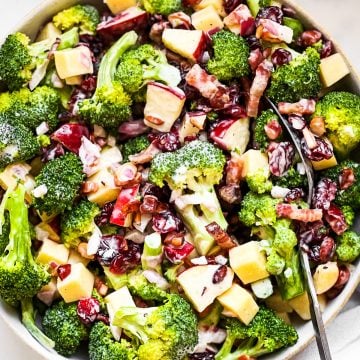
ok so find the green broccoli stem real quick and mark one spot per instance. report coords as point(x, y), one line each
point(69, 39)
point(251, 347)
point(110, 60)
point(162, 72)
point(152, 253)
point(225, 352)
point(28, 319)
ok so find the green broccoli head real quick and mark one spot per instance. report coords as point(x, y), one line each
point(231, 53)
point(86, 17)
point(20, 276)
point(167, 332)
point(62, 177)
point(110, 105)
point(78, 223)
point(275, 264)
point(298, 79)
point(102, 345)
point(341, 113)
point(17, 143)
point(265, 334)
point(134, 146)
point(62, 324)
point(163, 7)
point(260, 137)
point(259, 182)
point(349, 214)
point(291, 179)
point(285, 238)
point(348, 246)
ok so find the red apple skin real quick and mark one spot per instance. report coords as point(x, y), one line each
point(171, 90)
point(130, 19)
point(219, 131)
point(199, 52)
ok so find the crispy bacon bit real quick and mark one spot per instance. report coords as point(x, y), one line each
point(234, 170)
point(100, 286)
point(317, 125)
point(174, 238)
point(335, 218)
point(219, 274)
point(126, 174)
point(255, 59)
point(262, 76)
point(272, 31)
point(302, 107)
point(145, 156)
point(346, 178)
point(230, 193)
point(208, 86)
point(222, 238)
point(292, 212)
point(273, 129)
point(240, 21)
point(180, 20)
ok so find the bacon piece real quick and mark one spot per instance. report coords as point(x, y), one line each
point(262, 76)
point(222, 238)
point(208, 86)
point(302, 107)
point(346, 178)
point(292, 212)
point(273, 32)
point(240, 21)
point(255, 59)
point(234, 169)
point(145, 156)
point(230, 193)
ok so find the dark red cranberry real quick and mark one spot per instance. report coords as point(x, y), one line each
point(149, 204)
point(165, 141)
point(166, 222)
point(219, 274)
point(336, 219)
point(324, 194)
point(127, 259)
point(104, 318)
point(343, 278)
point(309, 38)
point(327, 49)
point(314, 253)
point(110, 247)
point(207, 355)
point(88, 84)
point(273, 13)
point(176, 254)
point(311, 233)
point(253, 42)
point(346, 178)
point(131, 129)
point(95, 43)
point(52, 152)
point(104, 217)
point(297, 121)
point(64, 271)
point(87, 310)
point(294, 195)
point(323, 151)
point(288, 11)
point(281, 57)
point(163, 194)
point(327, 249)
point(281, 156)
point(231, 5)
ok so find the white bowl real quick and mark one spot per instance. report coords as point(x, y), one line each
point(30, 25)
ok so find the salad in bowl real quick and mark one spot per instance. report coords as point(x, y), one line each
point(153, 205)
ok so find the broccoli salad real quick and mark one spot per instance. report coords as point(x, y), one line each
point(153, 206)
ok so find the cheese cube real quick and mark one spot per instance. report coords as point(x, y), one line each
point(48, 32)
point(301, 305)
point(73, 62)
point(75, 258)
point(217, 4)
point(79, 284)
point(116, 6)
point(240, 302)
point(324, 164)
point(333, 69)
point(248, 262)
point(74, 80)
point(325, 277)
point(206, 19)
point(51, 251)
point(45, 229)
point(253, 160)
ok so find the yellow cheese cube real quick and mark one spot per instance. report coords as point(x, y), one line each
point(47, 228)
point(253, 160)
point(301, 305)
point(74, 80)
point(48, 32)
point(324, 164)
point(116, 6)
point(248, 262)
point(325, 277)
point(73, 62)
point(206, 19)
point(240, 302)
point(51, 251)
point(79, 284)
point(333, 69)
point(217, 4)
point(75, 258)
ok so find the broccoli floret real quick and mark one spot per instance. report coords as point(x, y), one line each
point(349, 214)
point(31, 108)
point(20, 276)
point(166, 332)
point(291, 179)
point(78, 223)
point(258, 210)
point(86, 17)
point(193, 171)
point(102, 345)
point(141, 65)
point(298, 79)
point(351, 195)
point(341, 113)
point(231, 53)
point(260, 137)
point(62, 324)
point(259, 182)
point(265, 334)
point(110, 105)
point(62, 177)
point(275, 264)
point(163, 7)
point(348, 246)
point(134, 146)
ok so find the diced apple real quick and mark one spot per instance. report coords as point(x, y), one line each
point(74, 80)
point(237, 137)
point(52, 252)
point(277, 303)
point(163, 106)
point(191, 125)
point(78, 284)
point(109, 156)
point(75, 258)
point(325, 277)
point(217, 4)
point(116, 6)
point(197, 283)
point(333, 69)
point(48, 293)
point(188, 43)
point(240, 302)
point(107, 190)
point(48, 230)
point(324, 164)
point(206, 19)
point(253, 160)
point(73, 62)
point(248, 262)
point(323, 300)
point(301, 305)
point(240, 21)
point(48, 32)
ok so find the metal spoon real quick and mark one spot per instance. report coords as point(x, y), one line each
point(316, 316)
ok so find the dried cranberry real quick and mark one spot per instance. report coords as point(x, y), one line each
point(165, 141)
point(294, 195)
point(343, 278)
point(297, 121)
point(163, 194)
point(166, 222)
point(336, 219)
point(131, 129)
point(288, 11)
point(323, 151)
point(314, 253)
point(127, 259)
point(327, 249)
point(312, 233)
point(254, 42)
point(219, 274)
point(281, 156)
point(63, 271)
point(324, 194)
point(88, 310)
point(110, 247)
point(104, 217)
point(326, 49)
point(346, 178)
point(281, 57)
point(88, 85)
point(103, 318)
point(230, 193)
point(95, 43)
point(52, 152)
point(207, 355)
point(309, 38)
point(273, 13)
point(149, 204)
point(176, 254)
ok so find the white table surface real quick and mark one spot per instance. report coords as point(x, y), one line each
point(341, 18)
